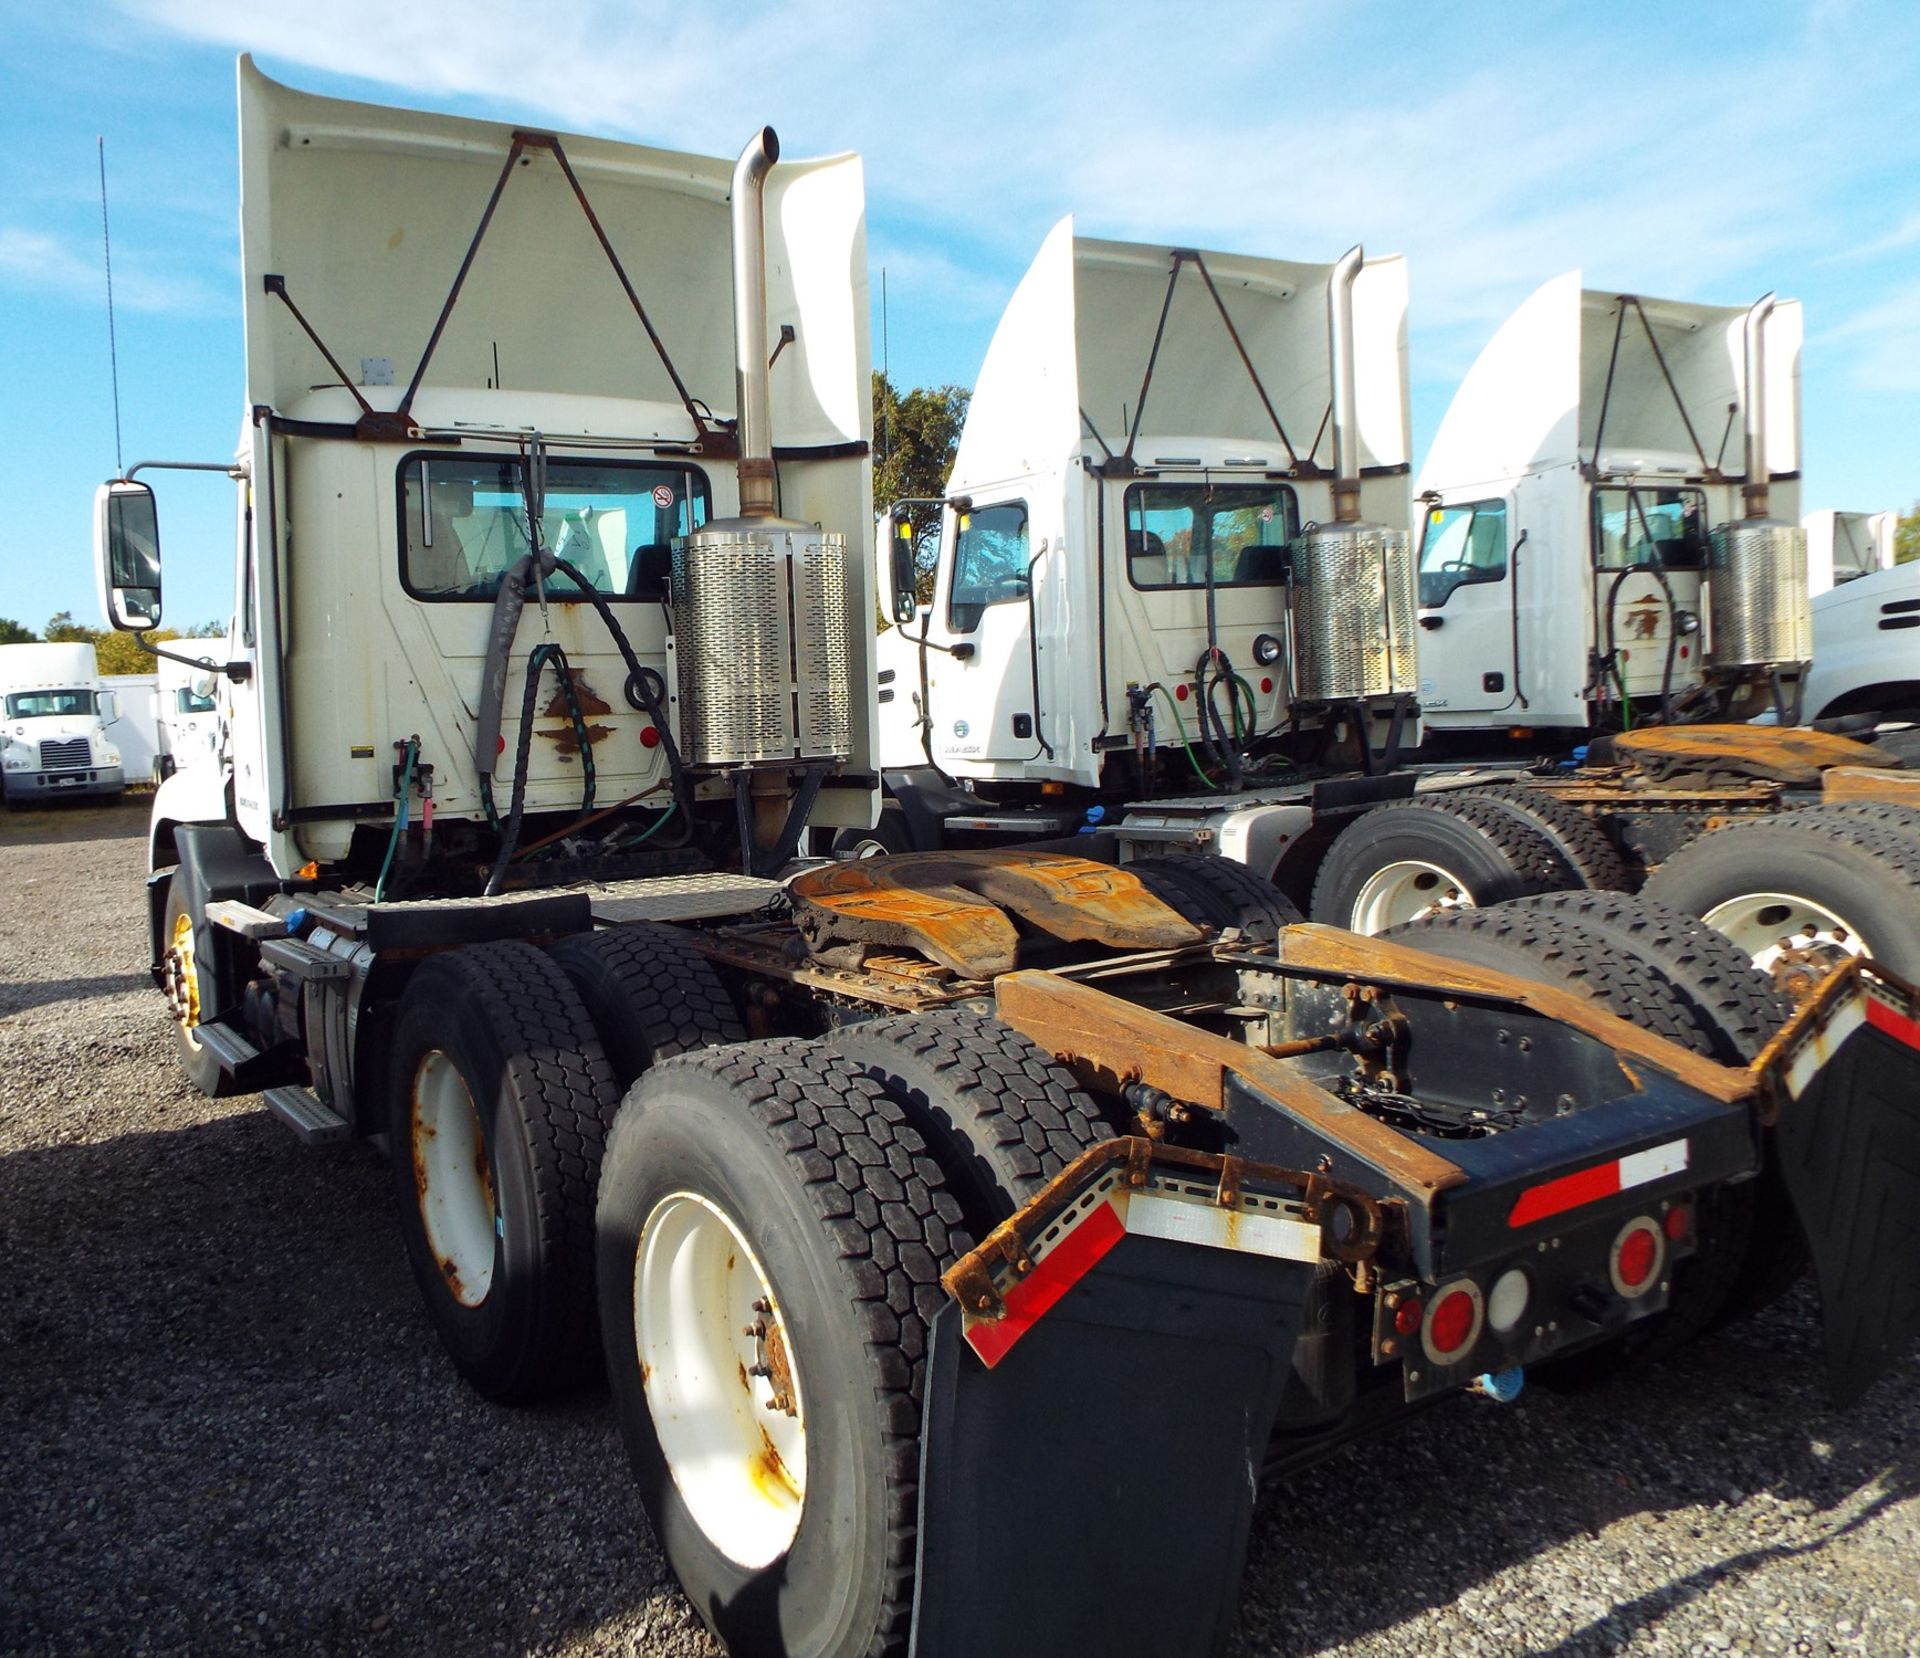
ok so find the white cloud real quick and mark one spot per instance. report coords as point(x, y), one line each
point(43, 263)
point(1883, 340)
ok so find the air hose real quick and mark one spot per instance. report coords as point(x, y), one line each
point(399, 819)
point(543, 655)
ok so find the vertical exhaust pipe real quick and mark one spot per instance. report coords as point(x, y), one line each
point(1346, 442)
point(752, 385)
point(1754, 491)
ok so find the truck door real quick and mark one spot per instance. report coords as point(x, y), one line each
point(980, 683)
point(1468, 602)
point(1650, 545)
point(1200, 545)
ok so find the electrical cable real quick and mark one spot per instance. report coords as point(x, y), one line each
point(1180, 729)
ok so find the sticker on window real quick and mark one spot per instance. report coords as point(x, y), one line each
point(662, 495)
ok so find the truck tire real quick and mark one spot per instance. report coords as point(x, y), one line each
point(1663, 971)
point(1217, 893)
point(181, 971)
point(1413, 858)
point(771, 1185)
point(1801, 891)
point(1583, 843)
point(498, 1110)
point(1000, 1116)
point(649, 996)
point(888, 836)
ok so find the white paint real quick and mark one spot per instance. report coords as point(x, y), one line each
point(1858, 663)
point(1655, 1163)
point(1844, 546)
point(739, 1465)
point(1249, 1231)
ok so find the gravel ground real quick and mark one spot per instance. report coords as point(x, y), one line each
point(225, 1426)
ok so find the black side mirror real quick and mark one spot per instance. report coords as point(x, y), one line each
point(126, 555)
point(901, 567)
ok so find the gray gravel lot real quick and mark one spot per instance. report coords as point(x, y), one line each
point(224, 1425)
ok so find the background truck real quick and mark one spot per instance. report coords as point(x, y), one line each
point(1596, 548)
point(1843, 546)
point(186, 716)
point(1866, 636)
point(898, 1196)
point(53, 740)
point(1188, 634)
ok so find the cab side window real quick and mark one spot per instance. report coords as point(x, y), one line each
point(1460, 545)
point(990, 560)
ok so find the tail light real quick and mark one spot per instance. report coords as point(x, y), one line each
point(1639, 1253)
point(1455, 1315)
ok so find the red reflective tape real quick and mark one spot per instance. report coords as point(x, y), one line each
point(1556, 1197)
point(1895, 1023)
point(1063, 1266)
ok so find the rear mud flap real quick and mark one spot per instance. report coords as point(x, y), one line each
point(1092, 1492)
point(1848, 1145)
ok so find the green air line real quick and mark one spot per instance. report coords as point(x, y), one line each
point(399, 819)
point(1180, 727)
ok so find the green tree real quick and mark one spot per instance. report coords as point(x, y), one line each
point(1906, 537)
point(120, 653)
point(12, 633)
point(62, 629)
point(915, 435)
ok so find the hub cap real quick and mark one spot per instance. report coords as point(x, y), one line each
point(1793, 940)
point(181, 984)
point(720, 1379)
point(455, 1184)
point(1406, 891)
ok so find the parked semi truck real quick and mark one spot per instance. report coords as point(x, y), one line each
point(53, 741)
point(1866, 636)
point(898, 1196)
point(186, 716)
point(1190, 627)
point(1598, 546)
point(1844, 546)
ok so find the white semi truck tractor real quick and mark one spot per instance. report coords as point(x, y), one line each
point(899, 1196)
point(1598, 545)
point(1844, 546)
point(54, 741)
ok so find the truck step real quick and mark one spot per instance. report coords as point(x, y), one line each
point(245, 920)
point(228, 1046)
point(701, 897)
point(316, 1124)
point(1015, 823)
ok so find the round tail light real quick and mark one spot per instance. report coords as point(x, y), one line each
point(1677, 1222)
point(1507, 1305)
point(1454, 1317)
point(1639, 1252)
point(1406, 1316)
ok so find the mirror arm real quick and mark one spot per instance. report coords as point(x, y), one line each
point(239, 672)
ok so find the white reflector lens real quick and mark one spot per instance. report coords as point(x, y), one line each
point(1507, 1305)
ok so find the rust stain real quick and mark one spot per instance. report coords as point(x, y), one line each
point(1794, 754)
point(953, 906)
point(771, 1474)
point(565, 742)
point(1858, 783)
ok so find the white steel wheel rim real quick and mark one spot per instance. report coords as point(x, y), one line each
point(871, 848)
point(455, 1184)
point(1772, 925)
point(1408, 890)
point(738, 1461)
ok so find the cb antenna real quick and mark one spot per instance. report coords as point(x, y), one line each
point(113, 348)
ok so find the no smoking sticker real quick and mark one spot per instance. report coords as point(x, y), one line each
point(663, 495)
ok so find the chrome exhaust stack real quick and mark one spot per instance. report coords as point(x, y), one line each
point(1354, 592)
point(753, 388)
point(1760, 605)
point(760, 639)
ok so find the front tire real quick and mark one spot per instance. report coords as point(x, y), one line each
point(189, 987)
point(773, 1174)
point(498, 1105)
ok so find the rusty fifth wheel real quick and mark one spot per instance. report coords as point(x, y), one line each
point(772, 1231)
point(499, 1099)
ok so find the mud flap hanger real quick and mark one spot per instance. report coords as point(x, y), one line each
point(1842, 1090)
point(1101, 1390)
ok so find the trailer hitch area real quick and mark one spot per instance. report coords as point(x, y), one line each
point(957, 908)
point(1105, 1378)
point(1841, 1086)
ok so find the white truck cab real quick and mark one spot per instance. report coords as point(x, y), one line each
point(1866, 647)
point(1592, 467)
point(53, 738)
point(1159, 437)
point(186, 717)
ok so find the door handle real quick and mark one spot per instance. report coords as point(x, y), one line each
point(1432, 622)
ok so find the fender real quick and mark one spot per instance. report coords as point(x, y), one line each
point(195, 794)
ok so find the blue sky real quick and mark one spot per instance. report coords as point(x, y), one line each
point(1702, 151)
